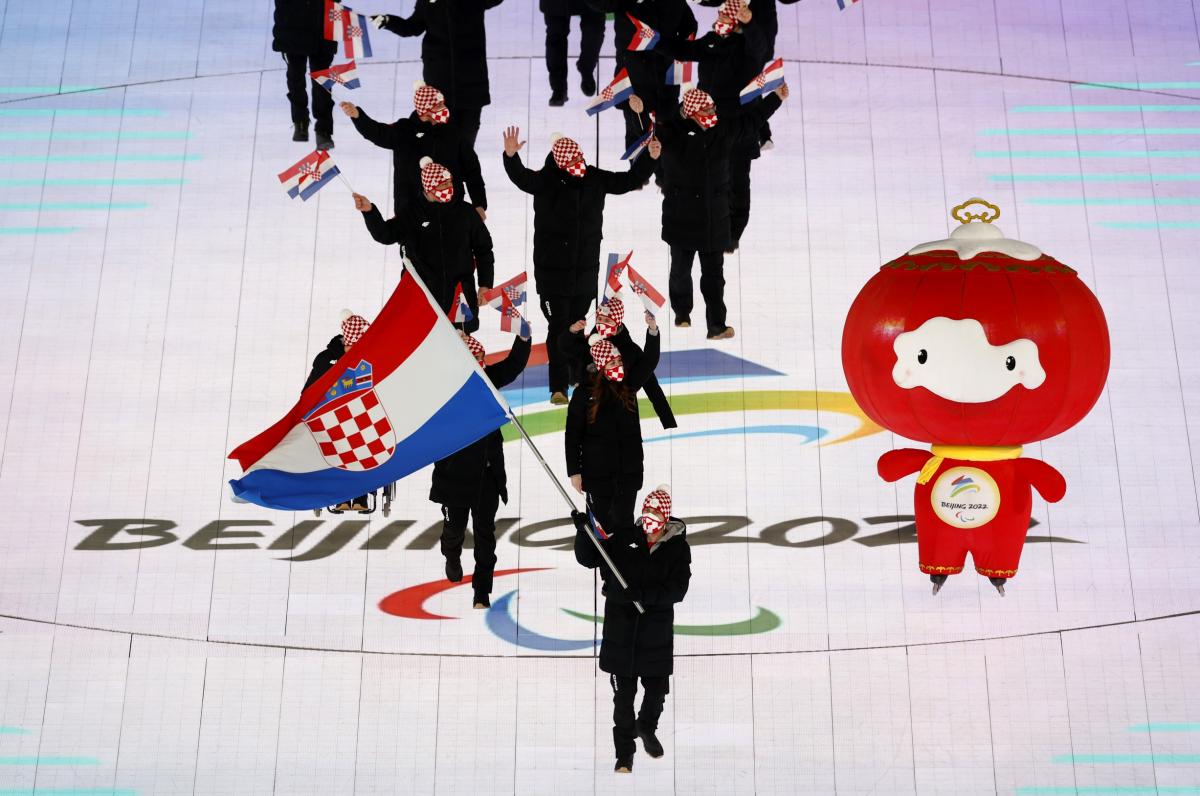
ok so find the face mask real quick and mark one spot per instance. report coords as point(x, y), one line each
point(605, 327)
point(724, 25)
point(439, 116)
point(443, 195)
point(576, 169)
point(652, 524)
point(706, 122)
point(615, 371)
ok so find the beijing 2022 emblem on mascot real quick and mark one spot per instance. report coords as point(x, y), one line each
point(976, 344)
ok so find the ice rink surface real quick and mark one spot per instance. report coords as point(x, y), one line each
point(161, 299)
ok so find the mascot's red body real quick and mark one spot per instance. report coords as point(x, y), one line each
point(977, 344)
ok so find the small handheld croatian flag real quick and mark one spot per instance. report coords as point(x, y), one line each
point(651, 298)
point(594, 521)
point(843, 3)
point(309, 175)
point(511, 319)
point(639, 146)
point(344, 75)
point(460, 311)
point(612, 279)
point(356, 43)
point(619, 90)
point(770, 79)
point(681, 73)
point(514, 291)
point(644, 37)
point(334, 16)
point(407, 394)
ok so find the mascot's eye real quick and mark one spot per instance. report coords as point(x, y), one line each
point(922, 356)
point(1010, 363)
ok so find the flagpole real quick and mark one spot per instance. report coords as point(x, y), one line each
point(508, 411)
point(570, 502)
point(345, 181)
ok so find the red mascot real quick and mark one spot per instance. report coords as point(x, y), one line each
point(977, 344)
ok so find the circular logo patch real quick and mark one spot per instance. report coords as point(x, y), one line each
point(965, 497)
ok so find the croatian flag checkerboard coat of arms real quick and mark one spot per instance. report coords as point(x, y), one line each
point(350, 425)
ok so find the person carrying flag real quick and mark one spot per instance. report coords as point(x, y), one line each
point(429, 131)
point(568, 225)
point(668, 18)
point(557, 14)
point(696, 198)
point(299, 36)
point(453, 53)
point(446, 239)
point(603, 438)
point(654, 557)
point(353, 328)
point(472, 482)
point(728, 57)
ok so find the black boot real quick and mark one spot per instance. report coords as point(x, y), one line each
point(324, 142)
point(558, 98)
point(938, 582)
point(587, 82)
point(300, 131)
point(482, 601)
point(649, 740)
point(454, 571)
point(624, 765)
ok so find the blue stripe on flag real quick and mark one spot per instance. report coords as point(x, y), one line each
point(471, 414)
point(313, 187)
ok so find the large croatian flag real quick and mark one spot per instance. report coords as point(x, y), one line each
point(407, 394)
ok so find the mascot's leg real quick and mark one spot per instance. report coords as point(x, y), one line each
point(942, 550)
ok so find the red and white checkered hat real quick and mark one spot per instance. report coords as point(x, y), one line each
point(694, 100)
point(432, 174)
point(614, 309)
point(564, 150)
point(731, 8)
point(426, 98)
point(353, 328)
point(603, 352)
point(658, 501)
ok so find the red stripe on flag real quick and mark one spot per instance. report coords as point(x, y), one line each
point(401, 327)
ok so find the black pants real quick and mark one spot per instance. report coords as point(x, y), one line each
point(615, 509)
point(560, 312)
point(468, 122)
point(483, 527)
point(298, 67)
point(712, 285)
point(591, 30)
point(739, 195)
point(625, 728)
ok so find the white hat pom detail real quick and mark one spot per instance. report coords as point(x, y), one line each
point(594, 339)
point(417, 84)
point(663, 488)
point(425, 161)
point(554, 137)
point(345, 315)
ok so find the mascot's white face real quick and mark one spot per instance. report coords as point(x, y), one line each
point(954, 360)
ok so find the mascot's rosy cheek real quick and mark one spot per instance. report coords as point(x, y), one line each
point(976, 344)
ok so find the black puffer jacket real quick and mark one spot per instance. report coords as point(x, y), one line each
point(765, 14)
point(568, 220)
point(726, 63)
point(575, 346)
point(300, 28)
point(648, 69)
point(411, 139)
point(562, 8)
point(446, 242)
point(695, 210)
point(608, 453)
point(326, 360)
point(658, 577)
point(454, 50)
point(457, 478)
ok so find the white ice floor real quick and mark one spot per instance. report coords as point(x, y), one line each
point(161, 299)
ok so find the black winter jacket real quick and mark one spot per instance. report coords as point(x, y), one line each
point(766, 15)
point(411, 139)
point(575, 346)
point(446, 243)
point(695, 170)
point(300, 28)
point(658, 577)
point(457, 478)
point(568, 220)
point(648, 69)
point(608, 453)
point(563, 8)
point(326, 360)
point(454, 50)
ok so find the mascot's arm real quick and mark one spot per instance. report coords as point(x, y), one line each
point(1044, 478)
point(896, 464)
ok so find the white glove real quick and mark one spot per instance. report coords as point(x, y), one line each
point(379, 20)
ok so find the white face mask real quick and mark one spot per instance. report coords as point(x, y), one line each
point(651, 524)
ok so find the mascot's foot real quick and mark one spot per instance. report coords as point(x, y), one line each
point(938, 582)
point(999, 584)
